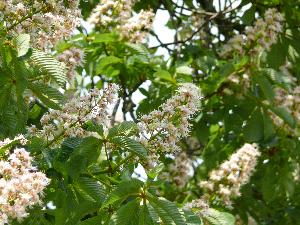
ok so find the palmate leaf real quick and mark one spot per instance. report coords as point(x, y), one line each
point(89, 148)
point(71, 142)
point(49, 66)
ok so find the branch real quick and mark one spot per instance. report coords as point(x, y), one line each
point(115, 110)
point(212, 17)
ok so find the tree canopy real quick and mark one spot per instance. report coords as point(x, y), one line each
point(97, 126)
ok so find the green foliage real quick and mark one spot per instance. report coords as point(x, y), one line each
point(216, 217)
point(49, 67)
point(97, 178)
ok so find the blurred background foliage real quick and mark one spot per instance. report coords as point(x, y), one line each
point(239, 105)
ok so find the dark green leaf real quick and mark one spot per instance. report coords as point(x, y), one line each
point(130, 145)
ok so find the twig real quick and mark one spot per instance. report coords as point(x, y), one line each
point(213, 16)
point(115, 110)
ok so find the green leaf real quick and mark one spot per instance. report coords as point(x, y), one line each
point(285, 115)
point(48, 95)
point(164, 75)
point(278, 54)
point(139, 49)
point(269, 129)
point(155, 171)
point(166, 210)
point(90, 189)
point(123, 191)
point(71, 142)
point(90, 148)
point(128, 214)
point(106, 61)
point(249, 16)
point(92, 221)
point(76, 165)
point(254, 130)
point(22, 44)
point(49, 66)
point(191, 218)
point(278, 77)
point(269, 187)
point(85, 153)
point(126, 128)
point(184, 70)
point(92, 126)
point(215, 217)
point(105, 38)
point(130, 145)
point(144, 216)
point(265, 86)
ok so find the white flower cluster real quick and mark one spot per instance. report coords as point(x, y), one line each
point(21, 186)
point(47, 22)
point(226, 181)
point(290, 101)
point(161, 129)
point(72, 58)
point(68, 121)
point(112, 14)
point(200, 204)
point(259, 37)
point(136, 28)
point(20, 138)
point(179, 170)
